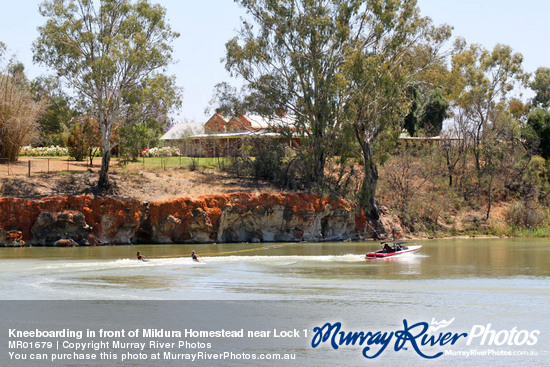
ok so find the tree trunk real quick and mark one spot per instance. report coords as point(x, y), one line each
point(367, 194)
point(368, 191)
point(103, 183)
point(9, 151)
point(477, 160)
point(318, 167)
point(490, 197)
point(450, 170)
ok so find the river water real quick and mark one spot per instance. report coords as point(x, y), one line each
point(278, 271)
point(505, 282)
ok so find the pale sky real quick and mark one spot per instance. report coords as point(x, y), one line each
point(206, 25)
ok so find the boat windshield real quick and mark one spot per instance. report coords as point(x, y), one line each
point(393, 246)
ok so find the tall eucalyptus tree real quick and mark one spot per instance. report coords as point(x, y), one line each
point(104, 49)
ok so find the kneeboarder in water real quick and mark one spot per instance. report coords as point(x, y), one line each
point(140, 257)
point(194, 256)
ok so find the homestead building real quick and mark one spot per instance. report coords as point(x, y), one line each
point(223, 136)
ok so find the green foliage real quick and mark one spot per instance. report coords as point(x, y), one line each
point(518, 109)
point(147, 109)
point(433, 112)
point(134, 138)
point(519, 232)
point(76, 143)
point(228, 101)
point(541, 86)
point(411, 120)
point(535, 185)
point(537, 131)
point(104, 51)
point(427, 112)
point(84, 138)
point(92, 137)
point(55, 120)
point(151, 102)
point(388, 57)
point(340, 67)
point(268, 164)
point(483, 82)
point(289, 54)
point(268, 159)
point(483, 77)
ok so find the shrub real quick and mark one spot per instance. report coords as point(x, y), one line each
point(160, 152)
point(526, 215)
point(132, 139)
point(18, 116)
point(76, 143)
point(51, 151)
point(268, 164)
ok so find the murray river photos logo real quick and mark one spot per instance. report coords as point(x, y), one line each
point(419, 337)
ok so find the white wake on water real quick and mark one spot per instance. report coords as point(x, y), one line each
point(170, 261)
point(292, 260)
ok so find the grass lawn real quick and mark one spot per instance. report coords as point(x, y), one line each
point(175, 162)
point(64, 164)
point(147, 163)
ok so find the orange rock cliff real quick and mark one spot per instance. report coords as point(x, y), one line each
point(238, 217)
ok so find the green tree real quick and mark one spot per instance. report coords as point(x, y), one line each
point(289, 53)
point(411, 120)
point(498, 152)
point(537, 132)
point(484, 79)
point(84, 138)
point(76, 143)
point(147, 109)
point(433, 112)
point(427, 112)
point(55, 120)
point(518, 109)
point(133, 138)
point(541, 86)
point(395, 46)
point(103, 51)
point(337, 66)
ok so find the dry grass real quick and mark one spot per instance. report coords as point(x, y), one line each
point(147, 186)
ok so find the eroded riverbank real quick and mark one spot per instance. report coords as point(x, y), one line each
point(239, 217)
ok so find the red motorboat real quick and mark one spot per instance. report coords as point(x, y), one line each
point(392, 248)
